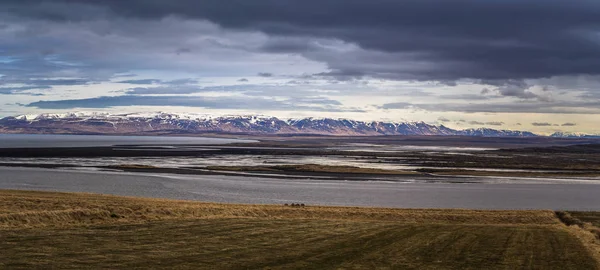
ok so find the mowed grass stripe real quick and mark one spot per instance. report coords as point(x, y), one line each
point(289, 244)
point(64, 230)
point(20, 209)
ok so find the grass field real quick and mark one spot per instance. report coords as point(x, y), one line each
point(591, 217)
point(60, 230)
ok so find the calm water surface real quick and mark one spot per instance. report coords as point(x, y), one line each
point(533, 194)
point(41, 140)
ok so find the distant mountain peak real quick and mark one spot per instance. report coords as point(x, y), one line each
point(174, 123)
point(573, 135)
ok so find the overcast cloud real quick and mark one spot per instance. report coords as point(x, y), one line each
point(415, 60)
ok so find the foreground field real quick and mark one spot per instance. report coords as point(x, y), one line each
point(592, 217)
point(57, 230)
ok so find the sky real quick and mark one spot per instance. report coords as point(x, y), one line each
point(505, 64)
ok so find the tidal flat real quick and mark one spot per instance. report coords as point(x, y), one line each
point(447, 157)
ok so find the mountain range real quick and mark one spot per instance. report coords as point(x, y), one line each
point(168, 123)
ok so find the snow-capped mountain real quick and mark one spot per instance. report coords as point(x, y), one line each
point(488, 132)
point(169, 123)
point(573, 135)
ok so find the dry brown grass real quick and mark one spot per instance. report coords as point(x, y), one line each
point(589, 239)
point(293, 244)
point(586, 226)
point(35, 209)
point(587, 216)
point(67, 230)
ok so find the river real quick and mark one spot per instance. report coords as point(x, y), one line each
point(48, 140)
point(530, 194)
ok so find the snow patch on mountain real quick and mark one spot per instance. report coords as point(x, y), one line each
point(573, 135)
point(136, 123)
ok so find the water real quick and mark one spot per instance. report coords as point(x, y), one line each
point(215, 160)
point(42, 140)
point(368, 147)
point(532, 194)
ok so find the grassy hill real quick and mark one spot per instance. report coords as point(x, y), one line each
point(64, 230)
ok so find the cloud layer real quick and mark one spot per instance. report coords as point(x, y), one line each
point(386, 58)
point(426, 40)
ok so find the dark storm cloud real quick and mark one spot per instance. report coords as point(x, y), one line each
point(590, 107)
point(182, 51)
point(186, 81)
point(288, 45)
point(443, 119)
point(265, 74)
point(39, 72)
point(344, 74)
point(8, 82)
point(496, 39)
point(464, 97)
point(541, 124)
point(512, 88)
point(532, 52)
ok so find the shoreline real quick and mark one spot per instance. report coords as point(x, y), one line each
point(327, 172)
point(407, 192)
point(580, 160)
